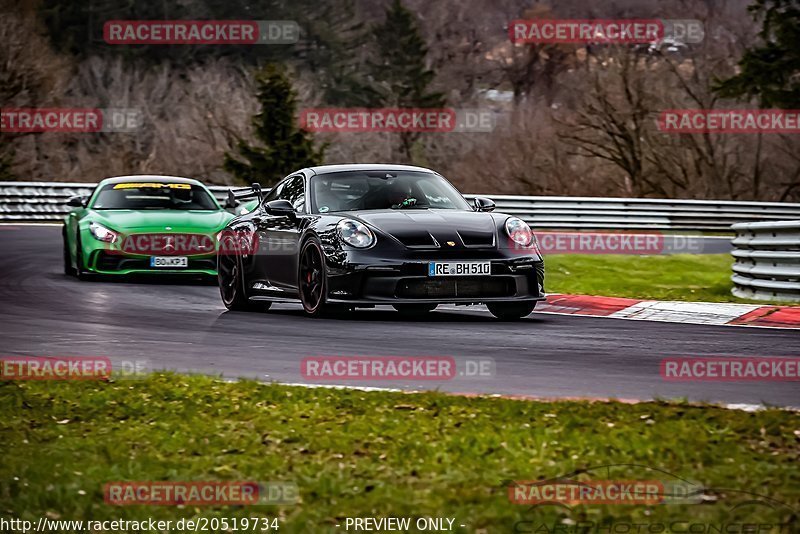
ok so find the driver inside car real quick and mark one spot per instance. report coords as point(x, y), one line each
point(398, 196)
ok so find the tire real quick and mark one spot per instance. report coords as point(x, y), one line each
point(231, 285)
point(69, 270)
point(312, 280)
point(511, 311)
point(414, 309)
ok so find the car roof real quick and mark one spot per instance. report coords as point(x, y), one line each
point(326, 169)
point(150, 178)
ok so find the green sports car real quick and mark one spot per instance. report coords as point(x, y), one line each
point(142, 225)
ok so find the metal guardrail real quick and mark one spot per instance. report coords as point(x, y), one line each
point(641, 213)
point(46, 201)
point(767, 265)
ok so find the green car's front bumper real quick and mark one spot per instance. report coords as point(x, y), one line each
point(108, 259)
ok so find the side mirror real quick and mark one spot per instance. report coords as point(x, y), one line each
point(280, 207)
point(230, 201)
point(483, 204)
point(76, 202)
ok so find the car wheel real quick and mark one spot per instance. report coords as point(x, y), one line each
point(511, 311)
point(313, 280)
point(231, 285)
point(414, 309)
point(69, 270)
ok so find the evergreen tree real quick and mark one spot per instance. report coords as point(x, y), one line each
point(336, 48)
point(771, 71)
point(401, 67)
point(401, 70)
point(285, 147)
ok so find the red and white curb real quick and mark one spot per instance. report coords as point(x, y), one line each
point(708, 313)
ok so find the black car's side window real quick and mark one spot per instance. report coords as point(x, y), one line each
point(294, 191)
point(274, 192)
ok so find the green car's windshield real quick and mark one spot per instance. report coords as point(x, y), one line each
point(378, 190)
point(154, 196)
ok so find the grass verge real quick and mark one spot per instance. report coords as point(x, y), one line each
point(689, 277)
point(372, 454)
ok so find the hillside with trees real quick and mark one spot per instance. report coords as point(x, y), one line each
point(571, 119)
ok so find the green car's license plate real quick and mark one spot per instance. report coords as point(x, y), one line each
point(169, 261)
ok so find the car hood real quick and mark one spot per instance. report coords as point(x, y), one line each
point(423, 228)
point(195, 221)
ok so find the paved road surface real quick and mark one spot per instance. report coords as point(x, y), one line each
point(185, 327)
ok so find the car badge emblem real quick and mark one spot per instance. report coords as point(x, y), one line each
point(451, 243)
point(167, 228)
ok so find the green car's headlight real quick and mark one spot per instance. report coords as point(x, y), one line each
point(101, 233)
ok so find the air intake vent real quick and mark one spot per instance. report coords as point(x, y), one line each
point(417, 240)
point(456, 288)
point(474, 239)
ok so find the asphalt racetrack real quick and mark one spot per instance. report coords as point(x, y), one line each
point(185, 327)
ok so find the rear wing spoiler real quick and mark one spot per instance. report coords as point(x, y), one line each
point(235, 195)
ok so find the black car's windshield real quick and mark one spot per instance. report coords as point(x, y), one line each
point(154, 196)
point(378, 190)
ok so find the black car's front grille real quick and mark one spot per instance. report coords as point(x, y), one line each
point(117, 262)
point(420, 288)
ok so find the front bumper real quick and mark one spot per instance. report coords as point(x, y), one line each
point(112, 259)
point(103, 262)
point(517, 279)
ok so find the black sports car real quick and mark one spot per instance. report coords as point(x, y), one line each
point(347, 236)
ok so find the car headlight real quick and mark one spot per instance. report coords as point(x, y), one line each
point(355, 233)
point(519, 232)
point(101, 233)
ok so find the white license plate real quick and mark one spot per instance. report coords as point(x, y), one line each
point(459, 268)
point(169, 261)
